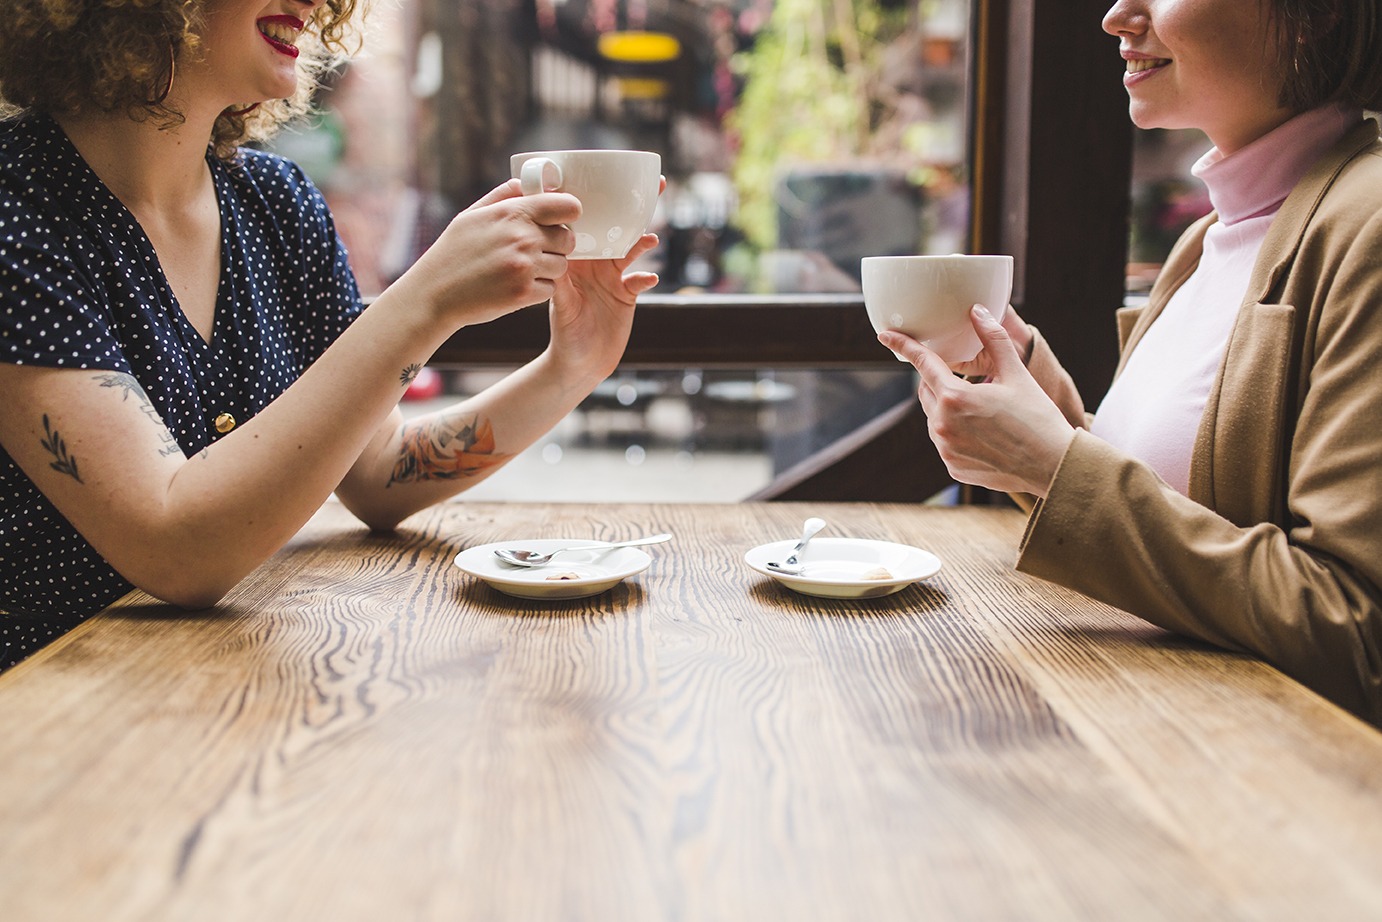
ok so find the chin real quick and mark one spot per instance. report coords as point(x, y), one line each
point(1143, 117)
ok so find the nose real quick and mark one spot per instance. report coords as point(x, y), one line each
point(1125, 18)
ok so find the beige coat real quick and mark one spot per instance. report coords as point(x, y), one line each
point(1278, 549)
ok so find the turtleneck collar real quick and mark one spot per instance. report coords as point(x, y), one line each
point(1256, 179)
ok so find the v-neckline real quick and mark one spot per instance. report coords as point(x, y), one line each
point(191, 334)
point(188, 331)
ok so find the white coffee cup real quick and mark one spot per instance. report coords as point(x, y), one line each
point(617, 189)
point(929, 298)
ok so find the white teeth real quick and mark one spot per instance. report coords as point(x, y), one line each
point(278, 32)
point(1138, 65)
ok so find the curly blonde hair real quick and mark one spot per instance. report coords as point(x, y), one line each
point(65, 55)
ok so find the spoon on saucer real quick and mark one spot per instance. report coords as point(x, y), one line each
point(523, 558)
point(790, 566)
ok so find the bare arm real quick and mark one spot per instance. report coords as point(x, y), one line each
point(409, 466)
point(187, 529)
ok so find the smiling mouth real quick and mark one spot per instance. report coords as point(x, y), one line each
point(281, 32)
point(1138, 65)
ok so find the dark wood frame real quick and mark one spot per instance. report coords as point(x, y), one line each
point(1052, 158)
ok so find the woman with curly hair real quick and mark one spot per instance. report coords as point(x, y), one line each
point(186, 368)
point(1230, 485)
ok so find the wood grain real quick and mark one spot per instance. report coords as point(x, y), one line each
point(361, 731)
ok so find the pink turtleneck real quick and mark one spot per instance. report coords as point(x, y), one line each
point(1153, 409)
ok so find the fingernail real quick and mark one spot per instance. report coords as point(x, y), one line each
point(983, 312)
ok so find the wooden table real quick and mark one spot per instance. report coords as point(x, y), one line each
point(363, 732)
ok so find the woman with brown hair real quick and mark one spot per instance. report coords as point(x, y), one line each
point(1229, 487)
point(186, 368)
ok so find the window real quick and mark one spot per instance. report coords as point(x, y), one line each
point(1166, 199)
point(797, 135)
point(756, 285)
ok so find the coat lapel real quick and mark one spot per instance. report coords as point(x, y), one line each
point(1239, 461)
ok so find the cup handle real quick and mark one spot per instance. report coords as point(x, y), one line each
point(540, 174)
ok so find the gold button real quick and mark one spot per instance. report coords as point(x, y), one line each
point(224, 423)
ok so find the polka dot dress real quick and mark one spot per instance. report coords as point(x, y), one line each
point(81, 287)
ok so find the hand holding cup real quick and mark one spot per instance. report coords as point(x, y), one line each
point(929, 298)
point(617, 189)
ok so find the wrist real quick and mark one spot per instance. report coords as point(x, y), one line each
point(1053, 458)
point(414, 297)
point(571, 377)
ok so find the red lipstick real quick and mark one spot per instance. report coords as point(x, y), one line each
point(282, 22)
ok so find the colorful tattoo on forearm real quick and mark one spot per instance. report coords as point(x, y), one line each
point(132, 388)
point(65, 463)
point(446, 449)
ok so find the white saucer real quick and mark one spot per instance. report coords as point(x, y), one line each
point(835, 567)
point(596, 571)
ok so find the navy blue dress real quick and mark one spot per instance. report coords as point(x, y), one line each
point(81, 287)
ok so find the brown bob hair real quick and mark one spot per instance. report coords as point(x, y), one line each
point(65, 55)
point(1331, 50)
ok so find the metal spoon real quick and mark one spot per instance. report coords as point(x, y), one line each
point(522, 558)
point(790, 566)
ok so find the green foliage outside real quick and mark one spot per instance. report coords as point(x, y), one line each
point(810, 96)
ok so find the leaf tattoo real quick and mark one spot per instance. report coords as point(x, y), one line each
point(446, 450)
point(65, 463)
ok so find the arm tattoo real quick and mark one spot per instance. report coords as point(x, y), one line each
point(131, 388)
point(406, 376)
point(65, 463)
point(445, 450)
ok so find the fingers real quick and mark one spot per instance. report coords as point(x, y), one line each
point(551, 207)
point(999, 346)
point(935, 374)
point(499, 193)
point(1020, 332)
point(558, 238)
point(643, 245)
point(639, 282)
point(933, 371)
point(548, 267)
point(1012, 322)
point(901, 344)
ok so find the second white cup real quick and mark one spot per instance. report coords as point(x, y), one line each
point(617, 189)
point(929, 297)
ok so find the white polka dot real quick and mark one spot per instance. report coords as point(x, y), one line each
point(83, 289)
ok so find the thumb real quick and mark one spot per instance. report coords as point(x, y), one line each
point(499, 193)
point(998, 345)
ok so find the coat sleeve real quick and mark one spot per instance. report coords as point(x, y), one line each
point(1055, 380)
point(1303, 593)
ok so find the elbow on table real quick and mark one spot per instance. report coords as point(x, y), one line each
point(185, 584)
point(375, 517)
point(188, 594)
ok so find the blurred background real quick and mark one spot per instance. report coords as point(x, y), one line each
point(796, 136)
